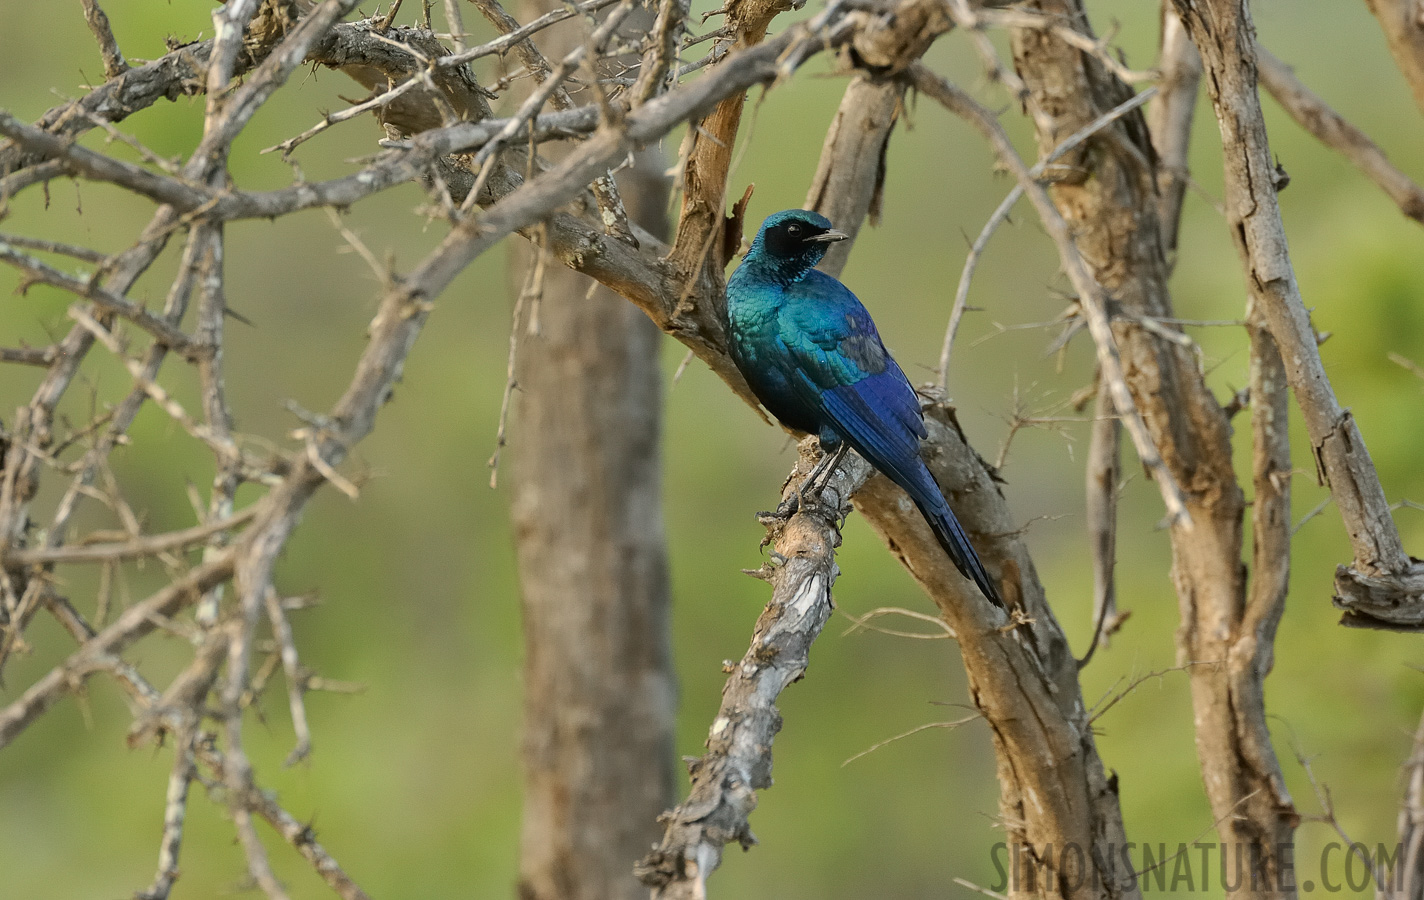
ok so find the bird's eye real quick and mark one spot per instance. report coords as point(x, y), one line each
point(793, 230)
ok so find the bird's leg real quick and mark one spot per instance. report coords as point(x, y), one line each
point(827, 467)
point(833, 450)
point(785, 510)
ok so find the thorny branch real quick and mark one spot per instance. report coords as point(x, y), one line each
point(199, 197)
point(1091, 297)
point(738, 759)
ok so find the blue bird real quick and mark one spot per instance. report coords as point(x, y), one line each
point(812, 356)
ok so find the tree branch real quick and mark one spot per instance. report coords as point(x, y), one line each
point(1383, 586)
point(738, 759)
point(1331, 129)
point(1090, 293)
point(1403, 28)
point(1170, 120)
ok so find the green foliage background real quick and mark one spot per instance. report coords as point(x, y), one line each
point(414, 783)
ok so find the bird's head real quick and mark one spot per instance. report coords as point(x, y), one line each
point(794, 240)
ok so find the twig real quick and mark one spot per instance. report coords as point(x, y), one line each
point(29, 356)
point(968, 19)
point(1170, 121)
point(961, 294)
point(1327, 815)
point(37, 272)
point(1090, 294)
point(1107, 703)
point(175, 810)
point(913, 731)
point(45, 246)
point(137, 548)
point(204, 259)
point(301, 836)
point(1408, 871)
point(133, 624)
point(531, 292)
point(979, 889)
point(456, 24)
point(292, 669)
point(1332, 129)
point(863, 623)
point(1104, 471)
point(430, 66)
point(390, 17)
point(114, 62)
point(1407, 364)
point(1400, 22)
point(605, 191)
point(350, 112)
point(661, 55)
point(531, 106)
point(1315, 510)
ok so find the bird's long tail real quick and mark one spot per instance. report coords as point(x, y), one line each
point(921, 487)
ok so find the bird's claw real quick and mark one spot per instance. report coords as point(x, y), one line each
point(782, 513)
point(776, 519)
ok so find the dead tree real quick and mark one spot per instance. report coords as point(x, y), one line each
point(1107, 187)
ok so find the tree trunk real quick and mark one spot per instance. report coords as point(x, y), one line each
point(599, 690)
point(598, 684)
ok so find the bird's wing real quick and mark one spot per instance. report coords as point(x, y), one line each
point(836, 365)
point(840, 366)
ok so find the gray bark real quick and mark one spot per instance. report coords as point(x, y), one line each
point(1108, 194)
point(599, 691)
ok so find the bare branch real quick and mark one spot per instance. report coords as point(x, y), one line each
point(29, 356)
point(134, 549)
point(850, 176)
point(175, 811)
point(660, 58)
point(738, 759)
point(1090, 294)
point(1098, 49)
point(1409, 874)
point(1314, 115)
point(1001, 214)
point(1404, 31)
point(1170, 121)
point(133, 624)
point(1104, 471)
point(301, 836)
point(605, 191)
point(697, 248)
point(292, 670)
point(909, 733)
point(37, 272)
point(114, 62)
point(1383, 585)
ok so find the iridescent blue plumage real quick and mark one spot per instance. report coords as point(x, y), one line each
point(811, 354)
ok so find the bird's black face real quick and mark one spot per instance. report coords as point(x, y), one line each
point(796, 238)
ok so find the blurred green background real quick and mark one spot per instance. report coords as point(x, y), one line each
point(414, 783)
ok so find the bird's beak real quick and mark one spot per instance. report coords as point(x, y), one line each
point(829, 237)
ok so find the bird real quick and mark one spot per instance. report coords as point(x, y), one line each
point(813, 357)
